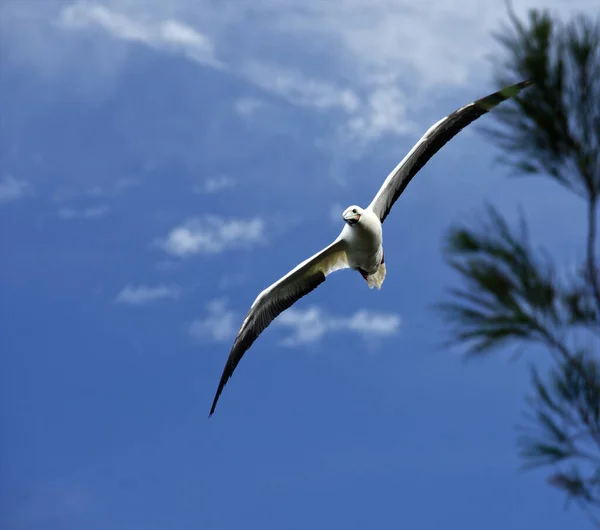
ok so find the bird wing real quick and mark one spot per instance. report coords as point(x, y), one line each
point(278, 297)
point(431, 142)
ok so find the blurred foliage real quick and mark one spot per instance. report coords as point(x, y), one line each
point(512, 294)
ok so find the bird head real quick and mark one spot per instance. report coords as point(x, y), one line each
point(352, 214)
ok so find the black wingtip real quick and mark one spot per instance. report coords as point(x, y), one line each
point(491, 101)
point(222, 382)
point(214, 405)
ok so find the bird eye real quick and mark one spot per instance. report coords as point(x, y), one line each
point(354, 210)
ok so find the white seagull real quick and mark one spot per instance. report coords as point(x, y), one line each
point(360, 243)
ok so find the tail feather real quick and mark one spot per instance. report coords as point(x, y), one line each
point(376, 280)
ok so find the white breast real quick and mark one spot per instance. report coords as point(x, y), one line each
point(364, 243)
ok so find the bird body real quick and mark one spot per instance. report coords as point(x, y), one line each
point(359, 246)
point(363, 235)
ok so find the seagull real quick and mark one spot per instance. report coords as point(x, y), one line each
point(360, 243)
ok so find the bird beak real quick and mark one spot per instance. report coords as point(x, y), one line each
point(352, 218)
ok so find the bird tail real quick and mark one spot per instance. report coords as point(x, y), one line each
point(376, 280)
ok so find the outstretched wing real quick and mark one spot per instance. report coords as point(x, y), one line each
point(431, 142)
point(277, 298)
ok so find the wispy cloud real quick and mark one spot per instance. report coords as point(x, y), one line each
point(312, 324)
point(388, 43)
point(96, 191)
point(441, 43)
point(296, 87)
point(168, 35)
point(307, 326)
point(212, 235)
point(12, 189)
point(375, 76)
point(218, 323)
point(215, 184)
point(93, 212)
point(383, 110)
point(247, 106)
point(143, 294)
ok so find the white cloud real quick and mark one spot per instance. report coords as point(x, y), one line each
point(217, 325)
point(384, 113)
point(372, 323)
point(96, 191)
point(12, 189)
point(296, 87)
point(168, 35)
point(212, 235)
point(93, 212)
point(307, 326)
point(438, 43)
point(247, 106)
point(214, 184)
point(311, 325)
point(143, 294)
point(434, 43)
point(377, 65)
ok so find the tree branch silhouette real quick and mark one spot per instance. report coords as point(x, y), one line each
point(512, 294)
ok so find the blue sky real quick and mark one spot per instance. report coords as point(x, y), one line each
point(161, 162)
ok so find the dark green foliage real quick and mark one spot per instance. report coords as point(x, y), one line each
point(554, 127)
point(564, 427)
point(510, 293)
point(507, 294)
